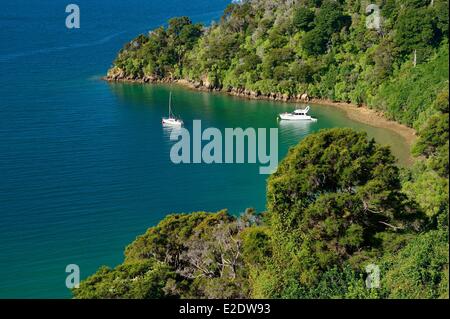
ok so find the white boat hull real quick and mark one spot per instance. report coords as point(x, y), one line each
point(293, 117)
point(172, 122)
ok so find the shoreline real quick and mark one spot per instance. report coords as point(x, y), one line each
point(362, 114)
point(372, 117)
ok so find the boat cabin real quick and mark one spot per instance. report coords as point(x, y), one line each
point(301, 112)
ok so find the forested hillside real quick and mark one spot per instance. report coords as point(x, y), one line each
point(337, 203)
point(328, 49)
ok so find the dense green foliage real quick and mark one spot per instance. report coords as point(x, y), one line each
point(340, 192)
point(162, 52)
point(323, 48)
point(144, 279)
point(420, 270)
point(337, 203)
point(185, 255)
point(408, 97)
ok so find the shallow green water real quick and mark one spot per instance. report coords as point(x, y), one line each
point(221, 110)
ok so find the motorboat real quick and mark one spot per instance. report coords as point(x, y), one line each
point(298, 115)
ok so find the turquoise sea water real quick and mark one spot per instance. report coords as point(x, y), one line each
point(84, 164)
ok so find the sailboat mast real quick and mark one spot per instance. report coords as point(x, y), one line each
point(170, 105)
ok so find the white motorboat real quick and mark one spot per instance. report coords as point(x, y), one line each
point(297, 115)
point(171, 120)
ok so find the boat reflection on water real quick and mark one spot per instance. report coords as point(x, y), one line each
point(168, 129)
point(293, 131)
point(295, 125)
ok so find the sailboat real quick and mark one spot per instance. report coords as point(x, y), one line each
point(171, 120)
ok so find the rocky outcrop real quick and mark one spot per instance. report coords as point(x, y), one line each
point(258, 95)
point(116, 74)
